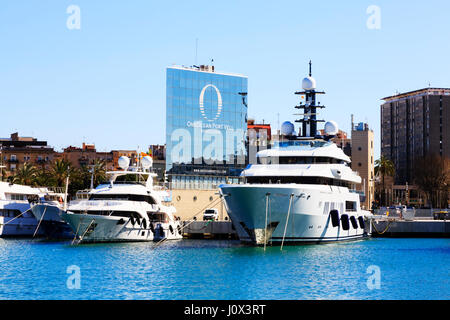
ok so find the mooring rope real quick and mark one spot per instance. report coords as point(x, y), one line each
point(40, 220)
point(287, 220)
point(76, 233)
point(386, 229)
point(18, 216)
point(265, 229)
point(85, 231)
point(215, 202)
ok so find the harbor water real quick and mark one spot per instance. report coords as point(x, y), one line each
point(210, 269)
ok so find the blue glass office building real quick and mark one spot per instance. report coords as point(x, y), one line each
point(206, 124)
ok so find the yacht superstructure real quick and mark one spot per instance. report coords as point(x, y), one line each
point(128, 210)
point(16, 219)
point(300, 190)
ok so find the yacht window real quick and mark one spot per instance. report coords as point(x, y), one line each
point(297, 160)
point(126, 197)
point(126, 214)
point(298, 180)
point(157, 217)
point(8, 213)
point(16, 196)
point(350, 206)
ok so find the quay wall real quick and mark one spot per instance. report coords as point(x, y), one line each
point(411, 229)
point(190, 202)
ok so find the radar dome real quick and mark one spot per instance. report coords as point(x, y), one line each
point(309, 83)
point(287, 128)
point(124, 162)
point(331, 128)
point(147, 162)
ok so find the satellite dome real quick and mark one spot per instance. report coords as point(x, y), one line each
point(287, 128)
point(331, 128)
point(309, 83)
point(147, 162)
point(124, 162)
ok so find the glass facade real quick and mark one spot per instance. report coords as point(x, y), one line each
point(206, 123)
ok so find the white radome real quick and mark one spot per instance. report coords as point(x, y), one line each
point(331, 128)
point(309, 83)
point(124, 162)
point(147, 162)
point(287, 128)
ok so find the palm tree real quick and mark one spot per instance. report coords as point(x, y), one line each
point(385, 167)
point(25, 175)
point(43, 177)
point(98, 172)
point(60, 170)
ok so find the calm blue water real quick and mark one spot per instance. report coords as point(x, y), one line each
point(206, 269)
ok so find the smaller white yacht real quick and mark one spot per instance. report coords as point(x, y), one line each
point(48, 212)
point(16, 219)
point(128, 208)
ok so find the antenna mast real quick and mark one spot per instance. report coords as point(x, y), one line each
point(309, 121)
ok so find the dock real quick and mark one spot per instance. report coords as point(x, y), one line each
point(397, 228)
point(209, 230)
point(382, 227)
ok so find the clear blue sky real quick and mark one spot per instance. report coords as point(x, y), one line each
point(105, 83)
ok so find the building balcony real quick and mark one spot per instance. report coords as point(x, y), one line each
point(13, 161)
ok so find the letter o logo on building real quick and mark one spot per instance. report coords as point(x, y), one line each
point(219, 103)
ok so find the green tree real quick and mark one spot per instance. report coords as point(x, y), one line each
point(43, 178)
point(432, 176)
point(384, 167)
point(98, 172)
point(59, 171)
point(25, 175)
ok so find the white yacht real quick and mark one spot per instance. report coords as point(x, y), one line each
point(48, 212)
point(300, 191)
point(124, 210)
point(16, 219)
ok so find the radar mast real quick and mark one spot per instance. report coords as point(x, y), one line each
point(309, 120)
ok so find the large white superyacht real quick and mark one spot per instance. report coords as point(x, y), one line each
point(124, 210)
point(301, 190)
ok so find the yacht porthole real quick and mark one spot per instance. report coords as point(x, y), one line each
point(178, 198)
point(195, 198)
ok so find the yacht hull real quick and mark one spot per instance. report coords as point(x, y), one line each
point(96, 228)
point(23, 226)
point(259, 213)
point(51, 222)
point(20, 227)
